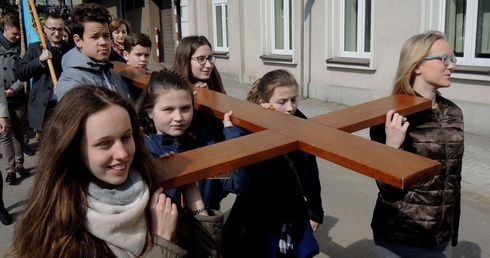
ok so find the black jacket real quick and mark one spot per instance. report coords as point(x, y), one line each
point(427, 213)
point(42, 84)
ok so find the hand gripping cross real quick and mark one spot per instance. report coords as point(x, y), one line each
point(326, 136)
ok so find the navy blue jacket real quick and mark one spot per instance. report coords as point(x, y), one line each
point(211, 189)
point(268, 195)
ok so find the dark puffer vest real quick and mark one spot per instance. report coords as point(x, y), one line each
point(427, 213)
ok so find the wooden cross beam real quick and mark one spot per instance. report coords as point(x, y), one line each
point(326, 136)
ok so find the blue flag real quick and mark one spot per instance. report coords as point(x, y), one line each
point(29, 23)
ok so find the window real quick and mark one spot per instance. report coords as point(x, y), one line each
point(467, 27)
point(220, 24)
point(357, 29)
point(282, 43)
point(276, 27)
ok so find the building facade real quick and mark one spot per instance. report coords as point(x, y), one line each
point(343, 51)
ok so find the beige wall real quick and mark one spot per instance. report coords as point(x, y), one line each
point(393, 23)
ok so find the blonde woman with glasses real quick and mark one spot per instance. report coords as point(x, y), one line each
point(422, 220)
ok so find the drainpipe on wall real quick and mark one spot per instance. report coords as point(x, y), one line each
point(304, 87)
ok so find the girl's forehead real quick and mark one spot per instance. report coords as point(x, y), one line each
point(170, 93)
point(289, 89)
point(203, 50)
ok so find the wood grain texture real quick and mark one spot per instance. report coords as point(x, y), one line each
point(326, 136)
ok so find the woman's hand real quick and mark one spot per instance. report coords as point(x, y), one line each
point(395, 129)
point(227, 119)
point(201, 84)
point(267, 106)
point(314, 225)
point(167, 155)
point(163, 215)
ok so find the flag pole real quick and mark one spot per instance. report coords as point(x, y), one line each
point(32, 6)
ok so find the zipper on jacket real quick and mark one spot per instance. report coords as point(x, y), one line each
point(446, 172)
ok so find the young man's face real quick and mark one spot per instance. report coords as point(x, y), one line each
point(95, 41)
point(138, 56)
point(12, 34)
point(54, 30)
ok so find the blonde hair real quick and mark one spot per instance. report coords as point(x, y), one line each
point(414, 51)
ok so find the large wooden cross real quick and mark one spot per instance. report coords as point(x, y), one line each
point(326, 136)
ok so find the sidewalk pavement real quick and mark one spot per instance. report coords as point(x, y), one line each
point(476, 163)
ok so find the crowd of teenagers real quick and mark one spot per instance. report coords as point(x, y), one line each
point(95, 192)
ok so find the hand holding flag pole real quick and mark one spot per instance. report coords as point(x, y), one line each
point(40, 32)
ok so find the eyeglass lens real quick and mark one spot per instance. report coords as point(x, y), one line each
point(52, 29)
point(202, 59)
point(447, 59)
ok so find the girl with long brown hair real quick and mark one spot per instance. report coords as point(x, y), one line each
point(91, 194)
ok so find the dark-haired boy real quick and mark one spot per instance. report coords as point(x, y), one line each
point(137, 49)
point(88, 63)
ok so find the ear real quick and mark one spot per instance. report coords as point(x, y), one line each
point(126, 55)
point(417, 70)
point(150, 114)
point(78, 40)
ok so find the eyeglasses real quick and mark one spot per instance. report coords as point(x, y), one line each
point(202, 59)
point(53, 29)
point(444, 58)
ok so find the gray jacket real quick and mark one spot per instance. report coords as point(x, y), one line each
point(165, 249)
point(4, 111)
point(9, 58)
point(79, 69)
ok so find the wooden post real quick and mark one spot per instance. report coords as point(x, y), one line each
point(32, 6)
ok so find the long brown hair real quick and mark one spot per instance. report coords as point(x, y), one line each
point(263, 88)
point(52, 224)
point(182, 64)
point(414, 51)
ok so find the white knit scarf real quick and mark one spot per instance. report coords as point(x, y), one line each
point(117, 216)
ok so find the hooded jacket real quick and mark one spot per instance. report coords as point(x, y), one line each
point(79, 69)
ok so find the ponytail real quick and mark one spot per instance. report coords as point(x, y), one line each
point(253, 94)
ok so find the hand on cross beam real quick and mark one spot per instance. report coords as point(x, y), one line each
point(326, 136)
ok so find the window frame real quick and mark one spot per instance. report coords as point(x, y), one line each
point(360, 33)
point(470, 31)
point(224, 26)
point(287, 30)
point(334, 39)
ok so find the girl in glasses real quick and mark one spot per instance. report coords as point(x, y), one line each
point(194, 60)
point(423, 220)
